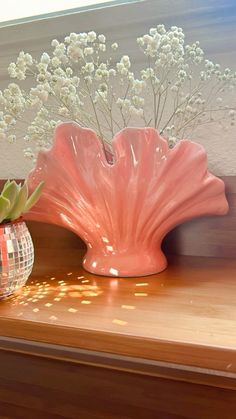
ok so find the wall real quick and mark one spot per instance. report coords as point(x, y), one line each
point(210, 22)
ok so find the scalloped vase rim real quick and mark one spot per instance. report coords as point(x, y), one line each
point(114, 139)
point(117, 134)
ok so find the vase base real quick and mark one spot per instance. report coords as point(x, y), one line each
point(141, 275)
point(125, 266)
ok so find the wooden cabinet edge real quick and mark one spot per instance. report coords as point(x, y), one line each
point(128, 364)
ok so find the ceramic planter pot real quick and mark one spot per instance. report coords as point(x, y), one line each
point(16, 257)
point(122, 210)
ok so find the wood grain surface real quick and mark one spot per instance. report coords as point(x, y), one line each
point(185, 315)
point(34, 388)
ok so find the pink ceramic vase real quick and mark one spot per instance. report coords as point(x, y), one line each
point(123, 210)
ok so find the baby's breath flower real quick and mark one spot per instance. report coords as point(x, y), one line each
point(114, 46)
point(172, 141)
point(55, 62)
point(112, 72)
point(88, 51)
point(11, 138)
point(73, 37)
point(74, 82)
point(9, 120)
point(125, 60)
point(120, 66)
point(102, 38)
point(88, 79)
point(3, 125)
point(74, 52)
point(102, 47)
point(138, 86)
point(45, 59)
point(92, 36)
point(54, 43)
point(28, 153)
point(88, 68)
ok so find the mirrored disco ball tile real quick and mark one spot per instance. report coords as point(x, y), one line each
point(16, 257)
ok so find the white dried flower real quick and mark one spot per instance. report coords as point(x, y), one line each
point(102, 38)
point(112, 72)
point(28, 153)
point(138, 86)
point(11, 138)
point(54, 43)
point(114, 46)
point(88, 51)
point(102, 47)
point(120, 67)
point(45, 59)
point(125, 60)
point(92, 36)
point(88, 68)
point(172, 141)
point(55, 62)
point(76, 83)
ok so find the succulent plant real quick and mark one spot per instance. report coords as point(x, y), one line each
point(15, 200)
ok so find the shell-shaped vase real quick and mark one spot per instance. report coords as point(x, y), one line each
point(123, 209)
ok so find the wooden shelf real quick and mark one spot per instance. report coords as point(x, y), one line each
point(159, 347)
point(185, 315)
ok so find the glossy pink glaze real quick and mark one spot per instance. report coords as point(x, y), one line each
point(123, 210)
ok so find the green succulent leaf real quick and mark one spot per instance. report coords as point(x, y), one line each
point(5, 185)
point(10, 192)
point(20, 203)
point(34, 197)
point(4, 208)
point(15, 200)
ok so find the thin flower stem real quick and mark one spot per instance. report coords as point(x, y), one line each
point(125, 96)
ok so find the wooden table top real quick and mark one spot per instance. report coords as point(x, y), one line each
point(184, 315)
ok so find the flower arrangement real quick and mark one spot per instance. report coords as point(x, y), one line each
point(15, 200)
point(78, 82)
